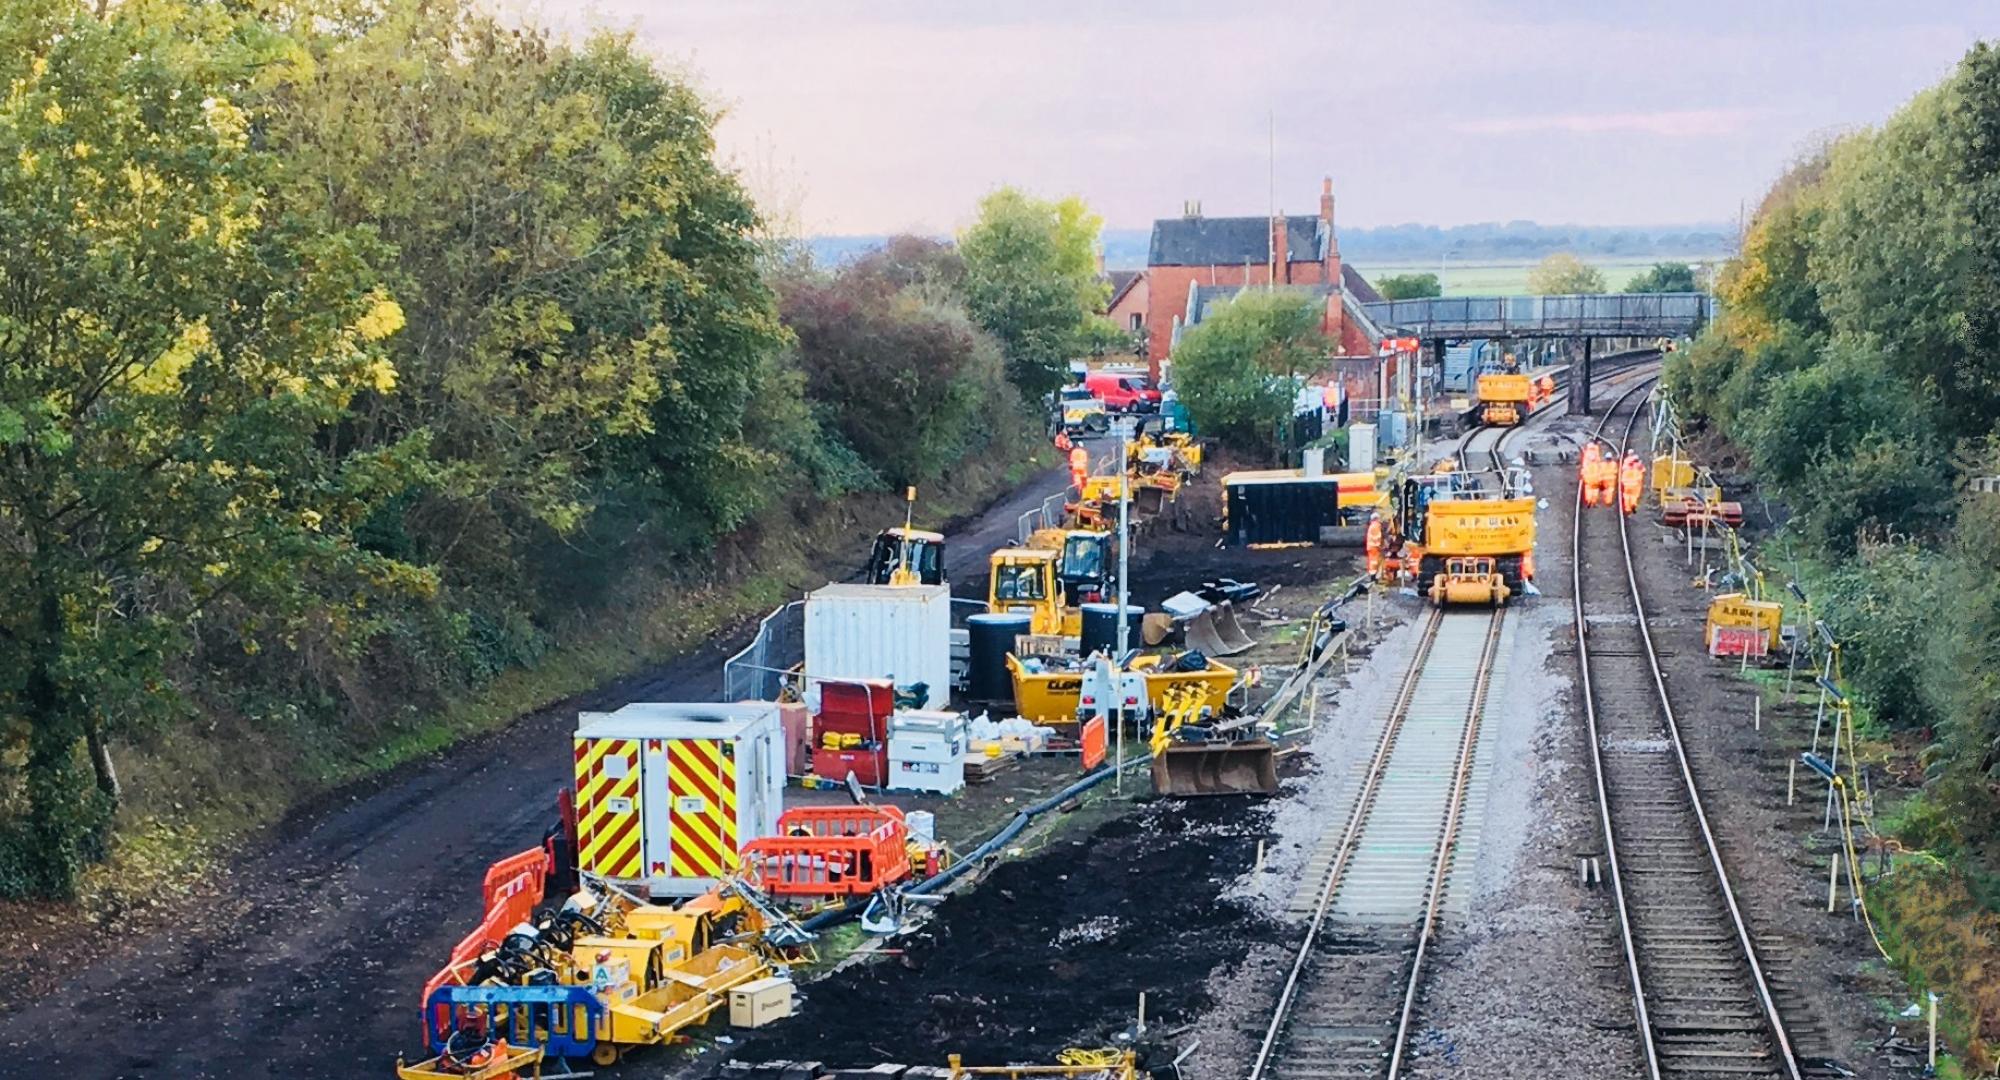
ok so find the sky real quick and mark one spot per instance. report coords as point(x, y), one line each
point(876, 116)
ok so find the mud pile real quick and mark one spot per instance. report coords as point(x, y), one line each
point(1050, 951)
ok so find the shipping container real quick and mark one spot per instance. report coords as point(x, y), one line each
point(667, 794)
point(897, 632)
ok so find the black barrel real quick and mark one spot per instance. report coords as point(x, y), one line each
point(1100, 628)
point(992, 639)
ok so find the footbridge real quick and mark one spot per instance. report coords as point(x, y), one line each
point(1585, 317)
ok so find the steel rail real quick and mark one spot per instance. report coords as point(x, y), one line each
point(1356, 820)
point(1758, 980)
point(1441, 869)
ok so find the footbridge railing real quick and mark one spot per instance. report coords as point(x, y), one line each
point(1590, 315)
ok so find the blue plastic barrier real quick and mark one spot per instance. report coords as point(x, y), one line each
point(563, 1021)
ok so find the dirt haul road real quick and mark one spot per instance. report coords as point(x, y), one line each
point(311, 964)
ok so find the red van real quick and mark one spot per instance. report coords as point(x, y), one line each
point(1122, 392)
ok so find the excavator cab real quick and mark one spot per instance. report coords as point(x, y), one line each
point(1024, 579)
point(906, 556)
point(1085, 571)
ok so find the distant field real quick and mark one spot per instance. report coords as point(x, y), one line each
point(1482, 278)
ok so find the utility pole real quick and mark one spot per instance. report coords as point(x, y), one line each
point(1271, 273)
point(1124, 592)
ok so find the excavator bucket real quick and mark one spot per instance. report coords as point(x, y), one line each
point(1201, 635)
point(1229, 631)
point(1248, 767)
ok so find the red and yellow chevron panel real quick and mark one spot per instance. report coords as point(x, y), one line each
point(609, 835)
point(701, 779)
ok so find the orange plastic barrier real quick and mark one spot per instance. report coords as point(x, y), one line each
point(831, 851)
point(1093, 739)
point(510, 892)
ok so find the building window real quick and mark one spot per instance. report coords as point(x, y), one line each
point(1138, 320)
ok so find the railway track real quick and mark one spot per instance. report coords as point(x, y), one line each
point(1346, 1006)
point(1349, 1000)
point(1703, 1003)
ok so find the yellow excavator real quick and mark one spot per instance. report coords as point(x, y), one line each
point(905, 554)
point(1085, 569)
point(1025, 579)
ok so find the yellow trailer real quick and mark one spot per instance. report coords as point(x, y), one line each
point(1057, 697)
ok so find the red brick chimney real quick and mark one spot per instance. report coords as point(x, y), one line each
point(1332, 238)
point(1281, 255)
point(1337, 304)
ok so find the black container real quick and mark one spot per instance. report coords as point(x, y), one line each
point(992, 639)
point(1100, 628)
point(1290, 511)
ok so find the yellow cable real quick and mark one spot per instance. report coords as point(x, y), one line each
point(1095, 1058)
point(1854, 871)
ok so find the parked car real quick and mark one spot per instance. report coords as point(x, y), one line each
point(1082, 414)
point(1122, 392)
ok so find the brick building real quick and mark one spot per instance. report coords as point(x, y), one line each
point(1130, 292)
point(1193, 253)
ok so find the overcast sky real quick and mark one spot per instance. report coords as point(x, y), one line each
point(886, 115)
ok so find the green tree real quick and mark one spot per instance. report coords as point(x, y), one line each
point(1239, 370)
point(1563, 274)
point(1409, 286)
point(1664, 277)
point(582, 278)
point(1031, 281)
point(176, 346)
point(903, 375)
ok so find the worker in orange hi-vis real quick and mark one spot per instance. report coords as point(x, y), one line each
point(1374, 545)
point(1587, 473)
point(1631, 481)
point(1079, 468)
point(1063, 442)
point(1547, 385)
point(1607, 478)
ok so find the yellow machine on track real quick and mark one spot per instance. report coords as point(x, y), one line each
point(1505, 397)
point(1463, 537)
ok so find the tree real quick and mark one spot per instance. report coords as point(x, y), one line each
point(582, 278)
point(1563, 274)
point(1031, 280)
point(1409, 286)
point(902, 373)
point(1666, 277)
point(177, 344)
point(1239, 369)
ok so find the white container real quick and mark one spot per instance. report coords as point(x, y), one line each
point(924, 735)
point(1361, 448)
point(922, 825)
point(1315, 462)
point(667, 794)
point(899, 633)
point(927, 751)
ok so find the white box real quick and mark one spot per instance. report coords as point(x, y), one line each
point(932, 776)
point(927, 735)
point(899, 633)
point(663, 789)
point(927, 751)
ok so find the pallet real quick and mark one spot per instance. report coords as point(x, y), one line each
point(982, 770)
